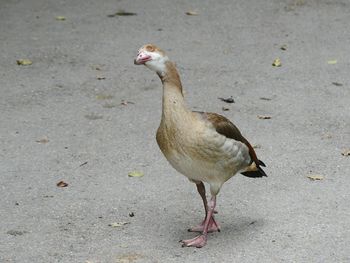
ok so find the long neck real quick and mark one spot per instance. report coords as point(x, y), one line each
point(171, 78)
point(173, 99)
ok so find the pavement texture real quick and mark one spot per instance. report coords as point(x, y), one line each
point(62, 119)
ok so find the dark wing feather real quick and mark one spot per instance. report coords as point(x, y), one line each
point(225, 127)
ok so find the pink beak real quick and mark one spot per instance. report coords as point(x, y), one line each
point(141, 59)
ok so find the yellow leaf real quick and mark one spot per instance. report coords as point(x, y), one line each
point(129, 258)
point(332, 62)
point(191, 13)
point(124, 246)
point(109, 105)
point(315, 177)
point(277, 63)
point(102, 96)
point(60, 18)
point(135, 174)
point(24, 62)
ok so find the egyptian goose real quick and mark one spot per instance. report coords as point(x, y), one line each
point(203, 146)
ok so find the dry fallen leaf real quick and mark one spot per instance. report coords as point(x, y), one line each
point(129, 258)
point(228, 100)
point(191, 13)
point(332, 62)
point(284, 47)
point(97, 67)
point(346, 152)
point(337, 84)
point(109, 105)
point(124, 102)
point(15, 232)
point(135, 174)
point(104, 96)
point(62, 184)
point(118, 224)
point(60, 18)
point(263, 117)
point(277, 63)
point(43, 140)
point(315, 177)
point(24, 62)
point(122, 13)
point(327, 136)
point(292, 5)
point(123, 246)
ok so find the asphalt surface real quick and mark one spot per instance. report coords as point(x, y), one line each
point(62, 119)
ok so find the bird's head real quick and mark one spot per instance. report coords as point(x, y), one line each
point(152, 57)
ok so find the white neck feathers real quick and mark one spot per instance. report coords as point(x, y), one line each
point(158, 65)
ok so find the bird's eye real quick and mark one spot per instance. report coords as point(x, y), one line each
point(150, 48)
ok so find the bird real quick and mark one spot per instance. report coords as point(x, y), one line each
point(205, 147)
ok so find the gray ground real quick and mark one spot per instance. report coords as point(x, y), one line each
point(227, 50)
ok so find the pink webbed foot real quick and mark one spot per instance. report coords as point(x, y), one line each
point(212, 227)
point(199, 241)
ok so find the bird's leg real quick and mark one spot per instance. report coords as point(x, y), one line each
point(201, 240)
point(213, 226)
point(201, 191)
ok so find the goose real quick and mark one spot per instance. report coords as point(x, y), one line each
point(205, 147)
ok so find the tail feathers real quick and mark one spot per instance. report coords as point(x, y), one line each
point(262, 163)
point(259, 172)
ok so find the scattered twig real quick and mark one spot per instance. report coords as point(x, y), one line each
point(84, 163)
point(264, 98)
